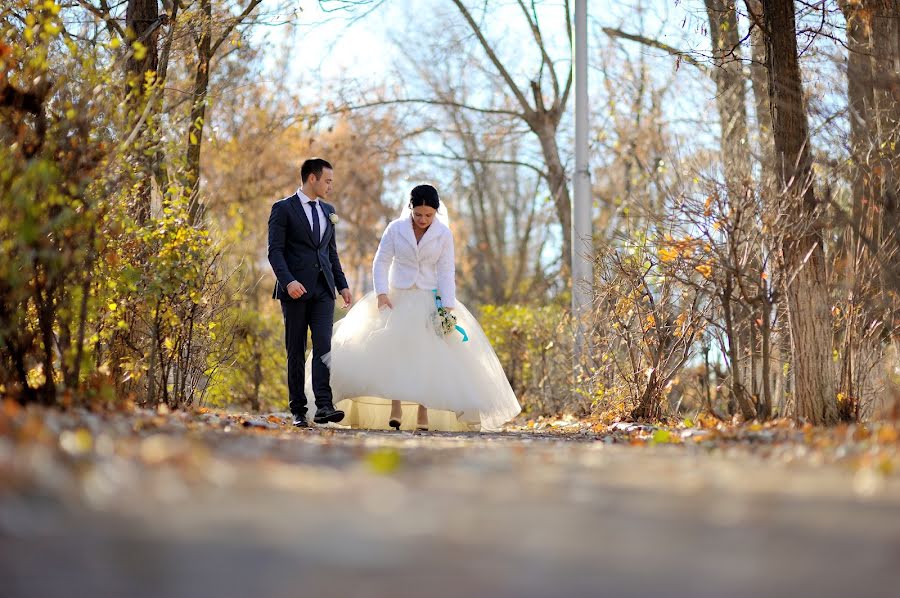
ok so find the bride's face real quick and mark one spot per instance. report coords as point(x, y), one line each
point(423, 216)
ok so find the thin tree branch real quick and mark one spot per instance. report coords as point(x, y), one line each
point(686, 57)
point(103, 13)
point(456, 157)
point(432, 102)
point(494, 59)
point(234, 23)
point(565, 95)
point(536, 32)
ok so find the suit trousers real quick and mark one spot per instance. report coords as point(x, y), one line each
point(315, 313)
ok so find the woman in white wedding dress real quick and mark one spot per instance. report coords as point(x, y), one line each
point(391, 365)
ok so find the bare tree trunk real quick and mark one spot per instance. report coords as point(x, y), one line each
point(730, 93)
point(731, 98)
point(764, 411)
point(864, 210)
point(142, 18)
point(803, 252)
point(198, 110)
point(760, 84)
point(861, 100)
point(559, 186)
point(885, 35)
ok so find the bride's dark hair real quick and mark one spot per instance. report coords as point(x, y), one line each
point(424, 195)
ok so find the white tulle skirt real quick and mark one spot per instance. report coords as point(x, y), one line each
point(395, 354)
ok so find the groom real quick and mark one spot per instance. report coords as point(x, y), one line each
point(303, 254)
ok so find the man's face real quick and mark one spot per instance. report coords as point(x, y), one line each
point(322, 185)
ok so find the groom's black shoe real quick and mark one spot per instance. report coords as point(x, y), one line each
point(300, 421)
point(326, 415)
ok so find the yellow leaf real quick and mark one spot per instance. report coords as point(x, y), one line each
point(140, 50)
point(114, 43)
point(384, 460)
point(704, 269)
point(662, 437)
point(78, 442)
point(888, 434)
point(667, 255)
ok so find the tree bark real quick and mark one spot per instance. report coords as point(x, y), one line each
point(802, 249)
point(559, 186)
point(860, 100)
point(730, 94)
point(198, 111)
point(885, 35)
point(759, 83)
point(141, 18)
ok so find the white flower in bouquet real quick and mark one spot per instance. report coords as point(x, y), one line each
point(444, 322)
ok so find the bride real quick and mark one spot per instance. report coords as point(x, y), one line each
point(390, 352)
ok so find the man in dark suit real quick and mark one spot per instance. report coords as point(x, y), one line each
point(303, 254)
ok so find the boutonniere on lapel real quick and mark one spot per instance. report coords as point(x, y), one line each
point(333, 217)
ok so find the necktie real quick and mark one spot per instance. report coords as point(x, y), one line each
point(317, 231)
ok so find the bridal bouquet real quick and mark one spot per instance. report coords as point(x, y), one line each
point(444, 321)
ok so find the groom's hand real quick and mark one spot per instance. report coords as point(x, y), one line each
point(347, 297)
point(295, 289)
point(384, 301)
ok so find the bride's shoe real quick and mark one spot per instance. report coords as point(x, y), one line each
point(421, 414)
point(396, 415)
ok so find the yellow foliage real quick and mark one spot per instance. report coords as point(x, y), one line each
point(667, 255)
point(140, 50)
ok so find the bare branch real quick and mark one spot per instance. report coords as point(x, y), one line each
point(685, 56)
point(494, 59)
point(103, 13)
point(565, 95)
point(234, 23)
point(457, 157)
point(536, 32)
point(431, 102)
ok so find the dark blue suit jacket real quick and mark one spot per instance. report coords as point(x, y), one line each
point(295, 256)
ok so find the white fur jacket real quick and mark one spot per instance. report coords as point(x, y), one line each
point(401, 263)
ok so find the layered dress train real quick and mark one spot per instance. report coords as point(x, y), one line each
point(380, 355)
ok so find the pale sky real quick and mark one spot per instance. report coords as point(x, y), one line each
point(366, 50)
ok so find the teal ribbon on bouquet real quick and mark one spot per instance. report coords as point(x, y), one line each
point(438, 304)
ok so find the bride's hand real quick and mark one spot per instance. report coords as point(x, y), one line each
point(384, 301)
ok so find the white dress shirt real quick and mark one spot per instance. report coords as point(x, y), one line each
point(308, 209)
point(401, 263)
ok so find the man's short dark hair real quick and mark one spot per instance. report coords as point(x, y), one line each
point(314, 166)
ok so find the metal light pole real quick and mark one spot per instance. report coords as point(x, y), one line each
point(582, 243)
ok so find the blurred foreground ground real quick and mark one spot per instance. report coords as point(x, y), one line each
point(150, 505)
